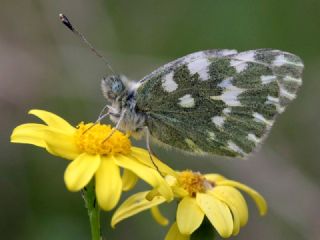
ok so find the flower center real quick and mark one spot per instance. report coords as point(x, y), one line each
point(192, 182)
point(91, 139)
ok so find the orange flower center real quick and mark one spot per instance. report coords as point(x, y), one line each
point(95, 139)
point(192, 182)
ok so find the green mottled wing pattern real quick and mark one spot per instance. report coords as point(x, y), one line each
point(219, 101)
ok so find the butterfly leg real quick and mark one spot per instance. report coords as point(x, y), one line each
point(101, 116)
point(150, 151)
point(116, 127)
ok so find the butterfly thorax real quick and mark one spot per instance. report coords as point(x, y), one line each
point(121, 93)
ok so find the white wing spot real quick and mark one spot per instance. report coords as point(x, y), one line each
point(281, 60)
point(240, 66)
point(272, 100)
point(226, 82)
point(275, 101)
point(259, 118)
point(292, 79)
point(280, 109)
point(168, 84)
point(187, 101)
point(230, 97)
point(200, 66)
point(192, 57)
point(226, 110)
point(253, 138)
point(234, 147)
point(265, 79)
point(230, 93)
point(285, 93)
point(227, 52)
point(246, 56)
point(218, 120)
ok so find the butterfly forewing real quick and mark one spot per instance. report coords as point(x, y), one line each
point(219, 101)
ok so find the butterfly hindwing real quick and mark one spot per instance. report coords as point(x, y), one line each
point(219, 101)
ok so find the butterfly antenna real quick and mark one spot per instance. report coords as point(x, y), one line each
point(68, 24)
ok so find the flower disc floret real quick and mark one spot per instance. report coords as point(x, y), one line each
point(192, 182)
point(91, 139)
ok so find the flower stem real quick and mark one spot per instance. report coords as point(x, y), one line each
point(93, 210)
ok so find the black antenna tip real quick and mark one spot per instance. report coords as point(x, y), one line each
point(66, 21)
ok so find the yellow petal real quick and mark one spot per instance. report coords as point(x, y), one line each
point(174, 234)
point(133, 205)
point(157, 215)
point(153, 193)
point(217, 212)
point(214, 177)
point(149, 175)
point(178, 191)
point(129, 180)
point(189, 215)
point(171, 180)
point(60, 144)
point(80, 171)
point(30, 133)
point(236, 221)
point(234, 199)
point(52, 120)
point(108, 184)
point(142, 155)
point(258, 199)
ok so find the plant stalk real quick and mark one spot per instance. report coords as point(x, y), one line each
point(93, 209)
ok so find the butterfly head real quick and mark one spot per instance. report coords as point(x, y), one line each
point(113, 87)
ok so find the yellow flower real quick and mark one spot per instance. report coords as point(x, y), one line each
point(92, 156)
point(210, 195)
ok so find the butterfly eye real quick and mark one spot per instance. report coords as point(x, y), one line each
point(116, 87)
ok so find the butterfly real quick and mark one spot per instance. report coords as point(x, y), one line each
point(220, 102)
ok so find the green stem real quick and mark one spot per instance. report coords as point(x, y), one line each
point(93, 210)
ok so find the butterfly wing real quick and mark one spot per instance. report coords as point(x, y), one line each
point(219, 101)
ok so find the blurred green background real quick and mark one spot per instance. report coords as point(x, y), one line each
point(44, 66)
